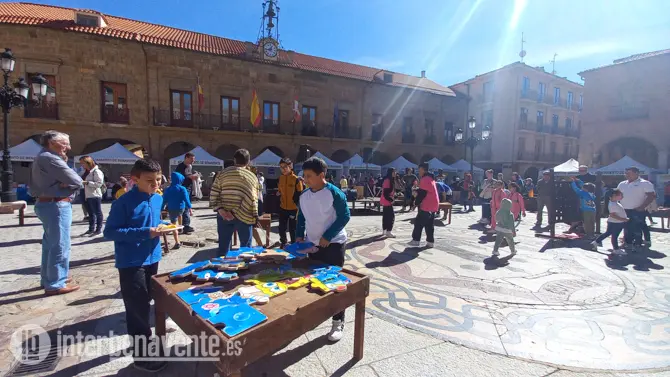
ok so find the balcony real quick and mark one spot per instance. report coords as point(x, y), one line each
point(353, 133)
point(430, 139)
point(377, 134)
point(408, 138)
point(111, 114)
point(528, 156)
point(572, 132)
point(629, 111)
point(163, 117)
point(528, 94)
point(44, 110)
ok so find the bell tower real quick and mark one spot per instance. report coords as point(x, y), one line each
point(268, 35)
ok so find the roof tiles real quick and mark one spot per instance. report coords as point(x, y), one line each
point(123, 28)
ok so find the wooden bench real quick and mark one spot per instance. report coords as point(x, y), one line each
point(664, 214)
point(373, 203)
point(266, 223)
point(446, 207)
point(9, 208)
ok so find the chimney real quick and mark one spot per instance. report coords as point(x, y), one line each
point(423, 74)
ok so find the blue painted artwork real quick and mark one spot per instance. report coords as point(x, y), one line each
point(325, 268)
point(237, 319)
point(193, 295)
point(236, 253)
point(211, 275)
point(297, 249)
point(188, 270)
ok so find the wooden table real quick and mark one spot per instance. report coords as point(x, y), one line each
point(289, 316)
point(266, 223)
point(10, 207)
point(664, 214)
point(446, 206)
point(373, 203)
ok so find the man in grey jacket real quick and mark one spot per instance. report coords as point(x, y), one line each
point(54, 184)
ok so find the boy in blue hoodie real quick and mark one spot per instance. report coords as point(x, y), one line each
point(176, 200)
point(587, 200)
point(322, 215)
point(132, 225)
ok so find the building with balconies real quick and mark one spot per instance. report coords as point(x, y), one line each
point(533, 115)
point(628, 111)
point(168, 90)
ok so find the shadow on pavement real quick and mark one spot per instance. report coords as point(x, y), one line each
point(364, 241)
point(20, 242)
point(89, 300)
point(82, 262)
point(640, 260)
point(18, 226)
point(396, 258)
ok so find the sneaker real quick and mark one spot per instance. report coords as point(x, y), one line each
point(430, 244)
point(646, 244)
point(87, 233)
point(150, 366)
point(188, 230)
point(389, 234)
point(414, 243)
point(619, 251)
point(176, 246)
point(513, 253)
point(595, 245)
point(337, 331)
point(483, 221)
point(96, 233)
point(496, 253)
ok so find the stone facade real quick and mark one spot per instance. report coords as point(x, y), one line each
point(627, 112)
point(518, 142)
point(81, 62)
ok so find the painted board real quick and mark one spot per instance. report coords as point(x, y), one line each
point(188, 270)
point(237, 319)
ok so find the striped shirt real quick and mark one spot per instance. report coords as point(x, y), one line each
point(235, 189)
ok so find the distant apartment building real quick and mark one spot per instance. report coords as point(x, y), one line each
point(628, 111)
point(534, 117)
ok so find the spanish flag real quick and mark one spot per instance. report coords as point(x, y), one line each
point(201, 96)
point(255, 111)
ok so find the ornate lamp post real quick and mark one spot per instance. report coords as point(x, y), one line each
point(10, 98)
point(473, 140)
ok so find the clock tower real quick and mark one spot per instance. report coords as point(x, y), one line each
point(268, 36)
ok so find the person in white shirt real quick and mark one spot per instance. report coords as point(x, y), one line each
point(615, 222)
point(637, 193)
point(323, 214)
point(94, 180)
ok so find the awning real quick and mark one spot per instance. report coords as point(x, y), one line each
point(435, 164)
point(400, 164)
point(569, 167)
point(202, 158)
point(266, 159)
point(619, 167)
point(356, 162)
point(462, 165)
point(116, 154)
point(26, 151)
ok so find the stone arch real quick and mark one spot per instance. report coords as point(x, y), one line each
point(638, 149)
point(380, 158)
point(304, 152)
point(276, 150)
point(410, 157)
point(340, 155)
point(101, 144)
point(448, 159)
point(532, 172)
point(35, 137)
point(226, 151)
point(426, 157)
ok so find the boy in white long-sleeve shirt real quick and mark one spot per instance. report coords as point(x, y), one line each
point(322, 216)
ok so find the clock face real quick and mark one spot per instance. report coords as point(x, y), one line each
point(270, 49)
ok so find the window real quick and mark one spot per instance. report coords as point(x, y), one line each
point(230, 110)
point(538, 147)
point(542, 90)
point(554, 121)
point(488, 91)
point(523, 118)
point(487, 119)
point(377, 127)
point(540, 118)
point(448, 132)
point(87, 20)
point(430, 127)
point(581, 102)
point(525, 87)
point(557, 96)
point(114, 103)
point(522, 145)
point(388, 77)
point(568, 123)
point(407, 126)
point(270, 114)
point(569, 104)
point(566, 150)
point(309, 115)
point(44, 107)
point(552, 148)
point(181, 104)
point(343, 119)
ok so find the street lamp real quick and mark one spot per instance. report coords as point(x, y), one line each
point(10, 98)
point(473, 140)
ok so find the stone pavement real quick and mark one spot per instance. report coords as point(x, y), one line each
point(557, 309)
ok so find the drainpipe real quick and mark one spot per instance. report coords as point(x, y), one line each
point(149, 120)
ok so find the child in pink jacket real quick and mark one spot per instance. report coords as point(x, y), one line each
point(518, 206)
point(497, 196)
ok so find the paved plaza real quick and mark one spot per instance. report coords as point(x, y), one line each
point(556, 309)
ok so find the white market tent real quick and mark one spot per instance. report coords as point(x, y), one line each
point(116, 154)
point(569, 167)
point(202, 158)
point(26, 151)
point(619, 167)
point(435, 164)
point(400, 164)
point(332, 165)
point(462, 165)
point(267, 159)
point(356, 163)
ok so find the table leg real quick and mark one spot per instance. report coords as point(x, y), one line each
point(160, 319)
point(359, 330)
point(267, 234)
point(22, 216)
point(449, 216)
point(234, 238)
point(166, 249)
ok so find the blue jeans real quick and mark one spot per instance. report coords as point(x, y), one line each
point(56, 218)
point(226, 229)
point(94, 207)
point(185, 216)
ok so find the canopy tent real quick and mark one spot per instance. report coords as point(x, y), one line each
point(332, 165)
point(462, 165)
point(400, 164)
point(619, 167)
point(116, 154)
point(266, 159)
point(25, 151)
point(356, 162)
point(435, 164)
point(202, 158)
point(569, 167)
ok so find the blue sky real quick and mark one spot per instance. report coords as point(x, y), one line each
point(452, 40)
